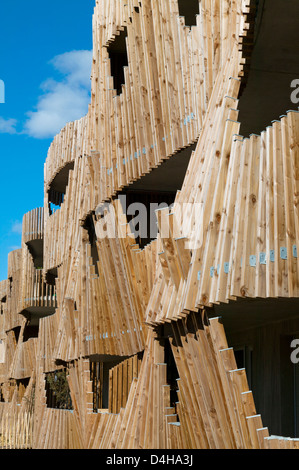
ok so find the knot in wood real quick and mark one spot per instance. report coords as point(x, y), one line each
point(243, 291)
point(253, 198)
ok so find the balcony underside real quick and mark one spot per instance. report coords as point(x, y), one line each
point(250, 313)
point(35, 313)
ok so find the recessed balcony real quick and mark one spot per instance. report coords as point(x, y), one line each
point(39, 297)
point(57, 188)
point(33, 233)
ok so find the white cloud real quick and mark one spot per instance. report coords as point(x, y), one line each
point(7, 126)
point(13, 248)
point(62, 101)
point(17, 227)
point(76, 65)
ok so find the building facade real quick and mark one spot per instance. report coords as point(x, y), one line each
point(153, 302)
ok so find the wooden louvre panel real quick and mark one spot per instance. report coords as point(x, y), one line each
point(232, 232)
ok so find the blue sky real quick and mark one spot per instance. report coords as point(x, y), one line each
point(45, 64)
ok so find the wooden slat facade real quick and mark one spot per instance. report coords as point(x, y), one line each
point(148, 366)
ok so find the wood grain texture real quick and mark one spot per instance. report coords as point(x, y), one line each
point(130, 323)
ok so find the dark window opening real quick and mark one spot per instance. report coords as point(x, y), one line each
point(16, 332)
point(30, 331)
point(97, 379)
point(1, 395)
point(140, 209)
point(2, 305)
point(111, 381)
point(240, 358)
point(99, 376)
point(90, 227)
point(272, 66)
point(36, 249)
point(58, 187)
point(22, 387)
point(172, 373)
point(58, 394)
point(118, 59)
point(51, 276)
point(10, 284)
point(155, 190)
point(243, 356)
point(189, 9)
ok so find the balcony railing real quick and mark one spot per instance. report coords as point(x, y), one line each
point(37, 293)
point(16, 427)
point(33, 225)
